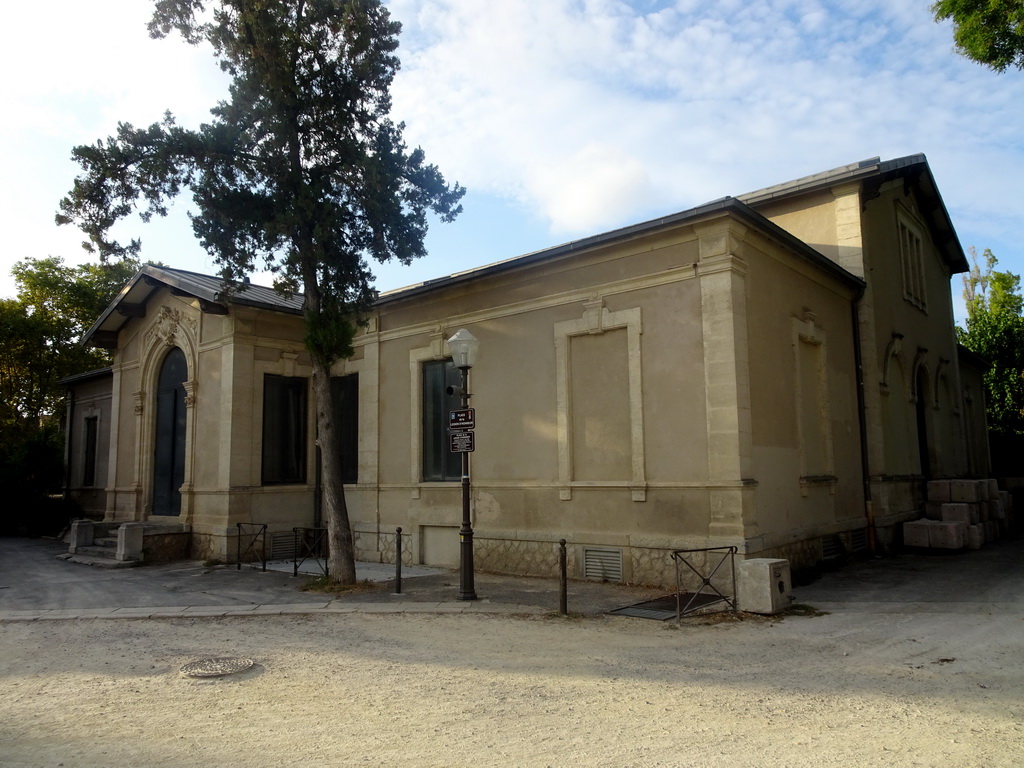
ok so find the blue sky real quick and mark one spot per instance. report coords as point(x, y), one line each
point(563, 118)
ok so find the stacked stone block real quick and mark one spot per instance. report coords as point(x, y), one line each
point(960, 513)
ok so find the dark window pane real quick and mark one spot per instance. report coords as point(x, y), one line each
point(439, 463)
point(346, 424)
point(169, 451)
point(91, 436)
point(284, 429)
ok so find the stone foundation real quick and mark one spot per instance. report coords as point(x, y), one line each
point(529, 558)
point(166, 547)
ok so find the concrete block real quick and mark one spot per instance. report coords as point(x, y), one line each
point(956, 513)
point(82, 535)
point(963, 490)
point(763, 585)
point(947, 535)
point(995, 509)
point(993, 488)
point(938, 490)
point(933, 509)
point(983, 511)
point(975, 513)
point(975, 537)
point(915, 533)
point(991, 530)
point(129, 541)
point(982, 490)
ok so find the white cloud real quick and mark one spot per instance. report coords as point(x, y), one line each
point(553, 102)
point(582, 114)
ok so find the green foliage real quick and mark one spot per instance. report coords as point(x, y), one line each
point(39, 334)
point(995, 331)
point(40, 329)
point(301, 170)
point(990, 32)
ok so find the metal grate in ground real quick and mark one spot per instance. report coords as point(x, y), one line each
point(664, 608)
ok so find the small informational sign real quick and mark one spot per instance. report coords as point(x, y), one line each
point(461, 442)
point(462, 419)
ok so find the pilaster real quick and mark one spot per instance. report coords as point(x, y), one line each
point(722, 275)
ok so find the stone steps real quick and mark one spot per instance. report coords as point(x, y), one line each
point(101, 552)
point(98, 561)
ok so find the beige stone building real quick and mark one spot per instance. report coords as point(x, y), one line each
point(778, 372)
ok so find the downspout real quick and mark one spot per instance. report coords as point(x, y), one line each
point(869, 512)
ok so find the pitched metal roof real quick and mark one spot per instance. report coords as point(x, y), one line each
point(214, 296)
point(730, 205)
point(872, 173)
point(210, 291)
point(78, 378)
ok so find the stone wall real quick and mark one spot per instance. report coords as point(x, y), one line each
point(166, 547)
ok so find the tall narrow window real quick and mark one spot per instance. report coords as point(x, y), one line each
point(912, 263)
point(346, 420)
point(439, 463)
point(284, 429)
point(89, 458)
point(169, 439)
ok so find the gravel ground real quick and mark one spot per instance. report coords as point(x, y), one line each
point(929, 689)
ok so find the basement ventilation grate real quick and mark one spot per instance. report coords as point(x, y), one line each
point(602, 564)
point(832, 548)
point(282, 545)
point(839, 545)
point(859, 540)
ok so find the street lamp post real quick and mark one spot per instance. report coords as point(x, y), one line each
point(463, 346)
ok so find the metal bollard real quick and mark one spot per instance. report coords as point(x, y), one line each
point(398, 561)
point(563, 598)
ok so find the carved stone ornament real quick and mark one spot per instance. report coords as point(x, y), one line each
point(166, 326)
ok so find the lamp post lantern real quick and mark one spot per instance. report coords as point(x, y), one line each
point(464, 346)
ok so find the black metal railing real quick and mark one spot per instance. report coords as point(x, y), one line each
point(246, 534)
point(714, 558)
point(310, 544)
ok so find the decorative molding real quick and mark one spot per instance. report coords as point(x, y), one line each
point(807, 332)
point(288, 361)
point(597, 319)
point(438, 344)
point(190, 393)
point(893, 351)
point(165, 327)
point(435, 350)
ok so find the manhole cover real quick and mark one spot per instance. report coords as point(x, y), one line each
point(215, 667)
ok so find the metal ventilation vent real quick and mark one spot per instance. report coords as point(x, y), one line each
point(282, 545)
point(602, 564)
point(832, 548)
point(859, 540)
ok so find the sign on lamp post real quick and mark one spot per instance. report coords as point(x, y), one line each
point(463, 346)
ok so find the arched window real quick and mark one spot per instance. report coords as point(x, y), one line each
point(169, 451)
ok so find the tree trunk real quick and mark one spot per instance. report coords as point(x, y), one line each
point(341, 562)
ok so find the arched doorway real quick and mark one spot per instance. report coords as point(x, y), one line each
point(169, 453)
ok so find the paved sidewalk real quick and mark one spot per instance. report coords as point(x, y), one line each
point(35, 586)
